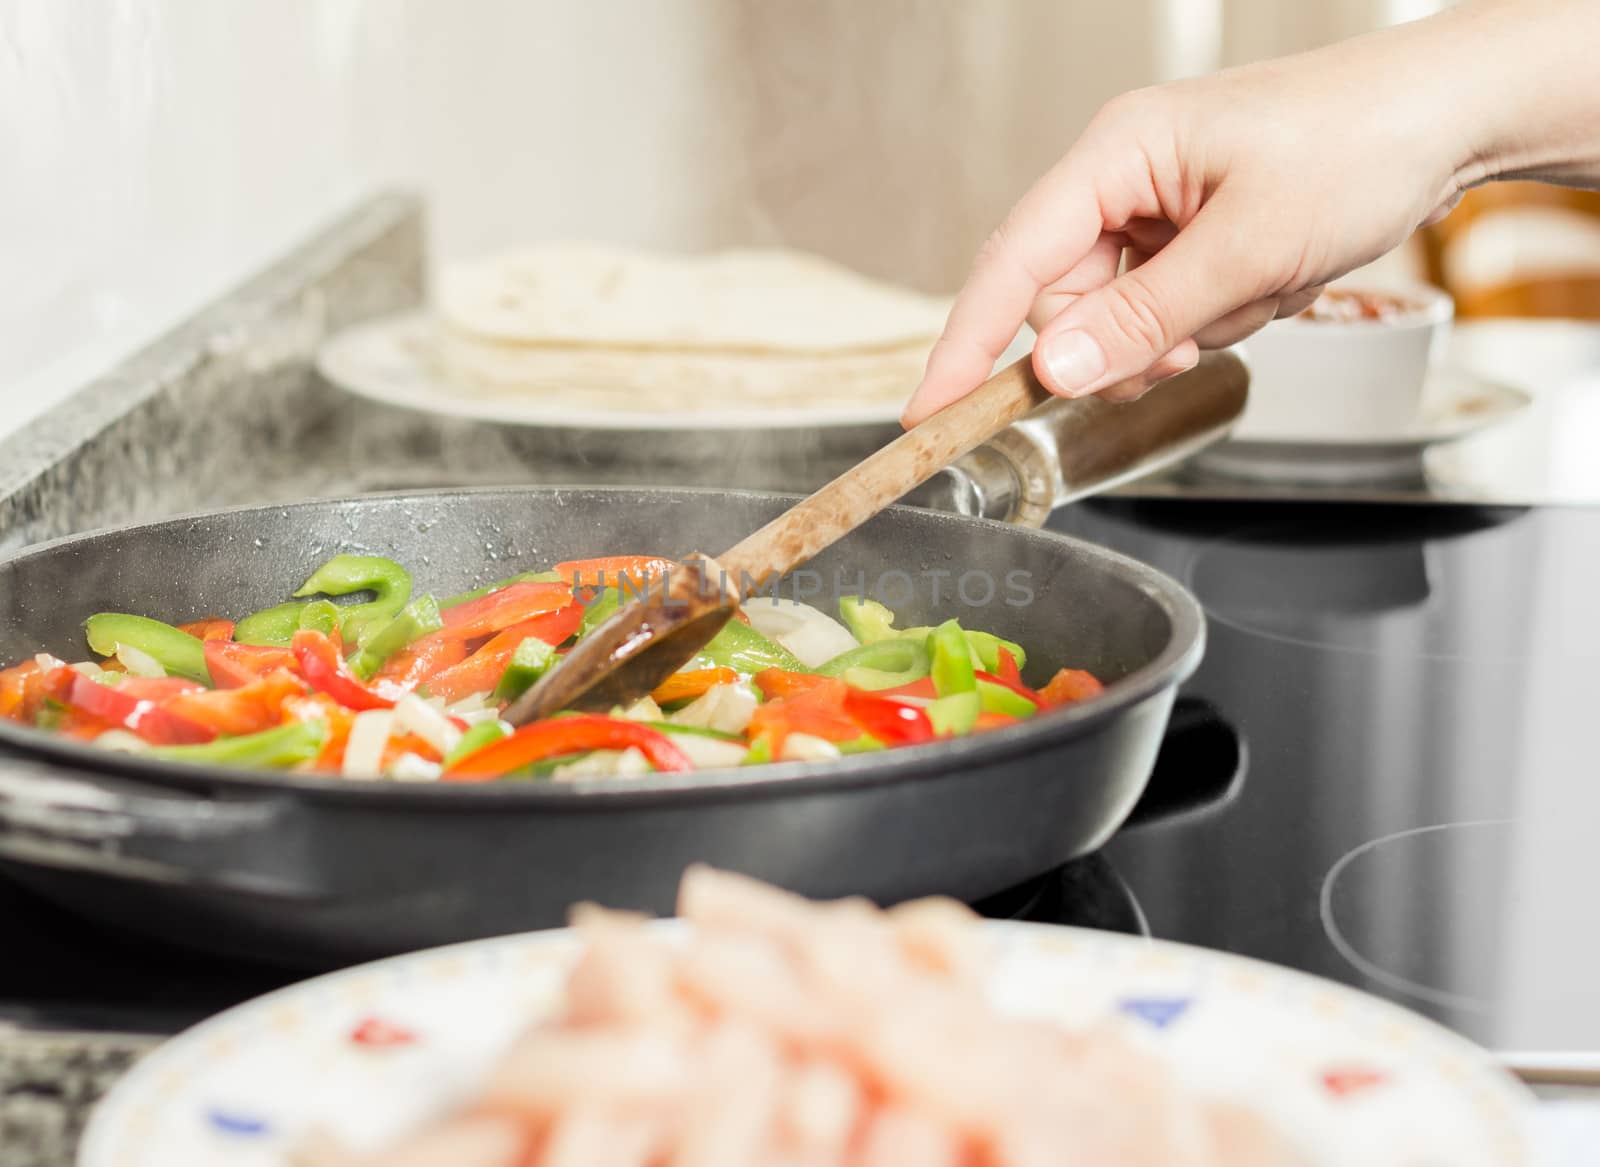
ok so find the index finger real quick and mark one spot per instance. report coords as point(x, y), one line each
point(1050, 229)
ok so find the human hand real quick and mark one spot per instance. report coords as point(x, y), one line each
point(1234, 197)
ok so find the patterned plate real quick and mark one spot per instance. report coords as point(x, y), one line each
point(373, 1050)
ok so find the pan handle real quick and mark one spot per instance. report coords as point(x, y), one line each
point(58, 818)
point(1069, 449)
point(1199, 769)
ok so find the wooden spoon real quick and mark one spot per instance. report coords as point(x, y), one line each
point(648, 640)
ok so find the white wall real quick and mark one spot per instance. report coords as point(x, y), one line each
point(153, 152)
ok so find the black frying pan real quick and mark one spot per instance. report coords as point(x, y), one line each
point(313, 870)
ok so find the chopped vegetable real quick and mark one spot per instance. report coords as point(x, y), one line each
point(178, 653)
point(566, 735)
point(692, 683)
point(629, 573)
point(485, 733)
point(868, 620)
point(531, 659)
point(525, 577)
point(416, 620)
point(883, 664)
point(326, 673)
point(345, 575)
point(287, 745)
point(498, 611)
point(741, 648)
point(384, 685)
point(234, 665)
point(1070, 685)
point(210, 628)
point(274, 626)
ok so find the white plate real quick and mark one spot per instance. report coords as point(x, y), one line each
point(1456, 404)
point(387, 361)
point(1350, 1079)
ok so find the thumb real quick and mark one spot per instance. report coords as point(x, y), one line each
point(1118, 331)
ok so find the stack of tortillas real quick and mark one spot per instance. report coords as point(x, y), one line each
point(595, 326)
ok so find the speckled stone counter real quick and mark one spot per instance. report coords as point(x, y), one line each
point(48, 1085)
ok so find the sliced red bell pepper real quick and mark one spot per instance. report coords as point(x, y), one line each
point(232, 666)
point(26, 687)
point(499, 610)
point(338, 719)
point(422, 659)
point(210, 628)
point(138, 704)
point(820, 711)
point(988, 720)
point(1016, 687)
point(326, 672)
point(1008, 670)
point(567, 735)
point(250, 708)
point(1067, 686)
point(481, 671)
point(922, 688)
point(892, 722)
point(686, 686)
point(609, 571)
point(780, 684)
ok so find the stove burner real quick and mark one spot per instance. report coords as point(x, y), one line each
point(1086, 893)
point(1441, 946)
point(1344, 584)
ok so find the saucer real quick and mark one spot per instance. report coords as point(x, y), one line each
point(1455, 405)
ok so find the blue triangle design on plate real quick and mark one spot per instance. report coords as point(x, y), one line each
point(1157, 1011)
point(235, 1123)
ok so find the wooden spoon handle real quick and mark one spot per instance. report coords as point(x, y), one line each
point(904, 464)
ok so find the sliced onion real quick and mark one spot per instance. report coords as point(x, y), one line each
point(812, 635)
point(122, 741)
point(725, 708)
point(408, 767)
point(47, 662)
point(138, 662)
point(629, 763)
point(85, 668)
point(432, 726)
point(803, 747)
point(709, 753)
point(369, 735)
point(644, 709)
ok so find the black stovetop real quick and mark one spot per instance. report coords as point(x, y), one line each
point(1419, 693)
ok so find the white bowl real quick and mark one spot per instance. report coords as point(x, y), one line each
point(1323, 379)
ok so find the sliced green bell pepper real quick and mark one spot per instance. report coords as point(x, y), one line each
point(952, 660)
point(955, 714)
point(317, 616)
point(867, 620)
point(176, 651)
point(598, 610)
point(287, 745)
point(273, 626)
point(525, 577)
point(345, 575)
point(881, 664)
point(999, 699)
point(532, 659)
point(484, 733)
point(744, 650)
point(416, 620)
point(870, 622)
point(670, 727)
point(760, 751)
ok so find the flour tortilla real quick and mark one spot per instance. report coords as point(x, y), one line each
point(751, 302)
point(651, 380)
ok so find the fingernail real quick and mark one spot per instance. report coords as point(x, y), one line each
point(1073, 362)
